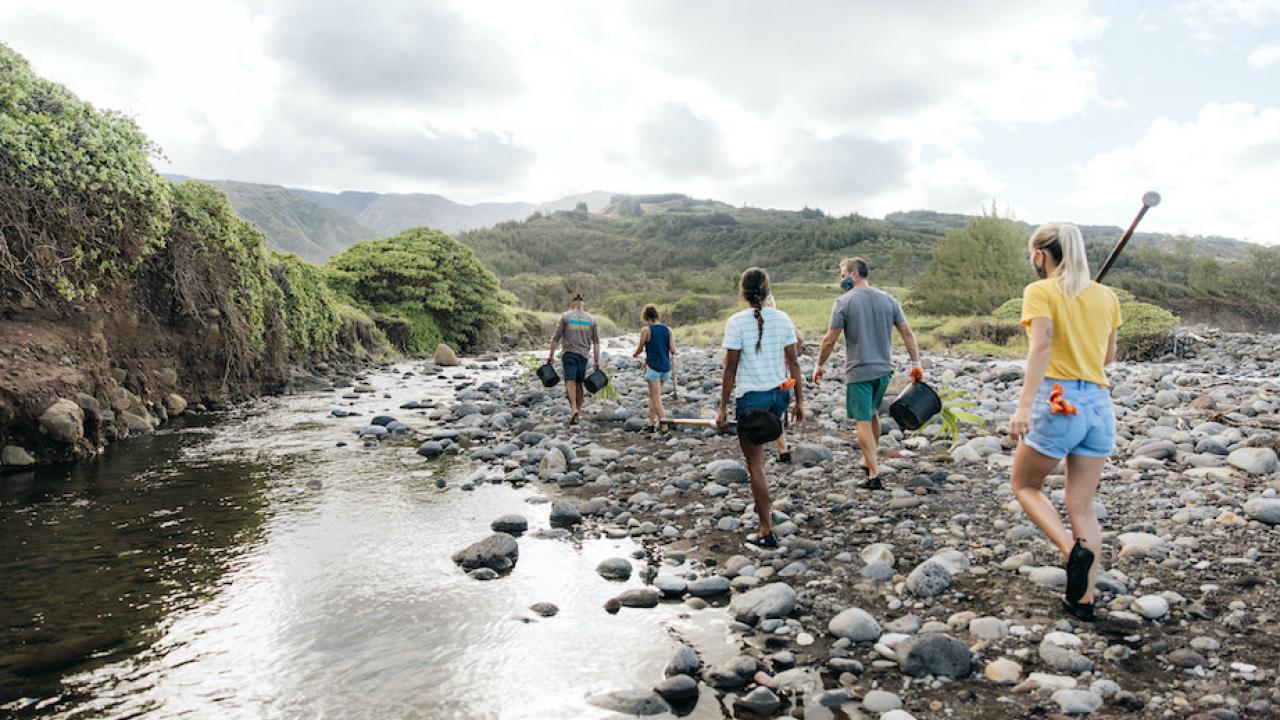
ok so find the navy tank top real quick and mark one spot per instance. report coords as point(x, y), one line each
point(657, 350)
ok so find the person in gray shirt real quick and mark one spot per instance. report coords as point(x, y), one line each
point(580, 334)
point(866, 316)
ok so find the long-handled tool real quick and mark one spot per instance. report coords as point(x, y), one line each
point(1150, 199)
point(699, 422)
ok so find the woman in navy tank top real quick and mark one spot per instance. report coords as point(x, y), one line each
point(659, 348)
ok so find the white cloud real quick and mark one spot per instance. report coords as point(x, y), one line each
point(1265, 56)
point(1217, 174)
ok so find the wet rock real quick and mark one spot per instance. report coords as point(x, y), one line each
point(175, 404)
point(484, 573)
point(641, 597)
point(835, 698)
point(431, 449)
point(707, 587)
point(63, 421)
point(545, 609)
point(499, 552)
point(761, 701)
point(1254, 460)
point(614, 569)
point(856, 625)
point(934, 654)
point(733, 674)
point(14, 456)
point(684, 662)
point(677, 689)
point(553, 463)
point(564, 513)
point(612, 606)
point(1264, 510)
point(137, 424)
point(511, 524)
point(671, 587)
point(775, 600)
point(1078, 702)
point(929, 578)
point(444, 356)
point(630, 702)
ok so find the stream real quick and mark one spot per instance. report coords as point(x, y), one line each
point(244, 564)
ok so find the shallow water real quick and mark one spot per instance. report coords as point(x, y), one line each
point(203, 571)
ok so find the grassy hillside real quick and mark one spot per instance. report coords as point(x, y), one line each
point(294, 224)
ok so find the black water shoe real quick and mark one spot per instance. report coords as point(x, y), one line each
point(768, 542)
point(785, 457)
point(871, 484)
point(1078, 564)
point(1078, 610)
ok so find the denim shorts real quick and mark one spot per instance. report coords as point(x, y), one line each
point(654, 376)
point(1090, 433)
point(575, 367)
point(775, 401)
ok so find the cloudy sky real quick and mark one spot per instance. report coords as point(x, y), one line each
point(1056, 110)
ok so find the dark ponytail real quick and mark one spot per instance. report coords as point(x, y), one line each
point(754, 286)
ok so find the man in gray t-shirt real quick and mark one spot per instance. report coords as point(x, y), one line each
point(866, 316)
point(580, 334)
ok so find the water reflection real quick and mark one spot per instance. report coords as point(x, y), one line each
point(218, 578)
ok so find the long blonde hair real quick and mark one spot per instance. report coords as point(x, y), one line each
point(1064, 243)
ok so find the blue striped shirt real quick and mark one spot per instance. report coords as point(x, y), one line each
point(766, 369)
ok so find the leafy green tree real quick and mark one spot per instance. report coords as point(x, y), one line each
point(426, 280)
point(976, 269)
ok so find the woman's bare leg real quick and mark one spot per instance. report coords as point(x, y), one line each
point(1027, 478)
point(754, 455)
point(1083, 474)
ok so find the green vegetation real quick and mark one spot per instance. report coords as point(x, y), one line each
point(954, 414)
point(79, 202)
point(310, 309)
point(1144, 332)
point(424, 288)
point(975, 269)
point(294, 224)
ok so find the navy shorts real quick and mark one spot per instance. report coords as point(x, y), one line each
point(575, 367)
point(775, 401)
point(1089, 433)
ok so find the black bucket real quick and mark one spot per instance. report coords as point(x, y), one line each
point(596, 381)
point(915, 406)
point(547, 374)
point(759, 427)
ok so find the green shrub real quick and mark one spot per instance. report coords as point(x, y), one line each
point(693, 309)
point(79, 201)
point(975, 269)
point(423, 287)
point(1145, 331)
point(310, 309)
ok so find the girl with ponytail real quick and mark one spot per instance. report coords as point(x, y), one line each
point(760, 345)
point(1065, 408)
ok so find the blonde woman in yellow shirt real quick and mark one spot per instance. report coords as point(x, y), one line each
point(1065, 408)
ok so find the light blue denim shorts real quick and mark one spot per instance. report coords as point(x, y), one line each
point(655, 376)
point(1090, 433)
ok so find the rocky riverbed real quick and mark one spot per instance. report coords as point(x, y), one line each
point(935, 597)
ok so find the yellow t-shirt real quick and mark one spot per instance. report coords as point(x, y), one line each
point(1081, 327)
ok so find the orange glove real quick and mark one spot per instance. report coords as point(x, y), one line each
point(1059, 405)
point(817, 375)
point(788, 384)
point(917, 375)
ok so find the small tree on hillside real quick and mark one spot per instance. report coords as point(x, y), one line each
point(976, 269)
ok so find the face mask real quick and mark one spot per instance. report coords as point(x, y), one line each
point(846, 284)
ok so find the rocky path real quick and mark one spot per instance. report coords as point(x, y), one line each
point(935, 597)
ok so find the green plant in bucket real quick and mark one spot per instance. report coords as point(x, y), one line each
point(531, 363)
point(953, 414)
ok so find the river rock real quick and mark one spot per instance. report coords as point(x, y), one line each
point(712, 586)
point(553, 463)
point(934, 654)
point(1057, 650)
point(1254, 460)
point(670, 586)
point(880, 701)
point(630, 702)
point(1264, 510)
point(988, 628)
point(445, 356)
point(137, 424)
point(677, 689)
point(63, 421)
point(684, 662)
point(1187, 658)
point(564, 513)
point(929, 578)
point(431, 449)
point(855, 624)
point(511, 524)
point(726, 472)
point(1003, 671)
point(1158, 450)
point(810, 454)
point(614, 569)
point(175, 404)
point(775, 600)
point(545, 609)
point(1078, 702)
point(641, 597)
point(762, 701)
point(1151, 607)
point(499, 551)
point(14, 456)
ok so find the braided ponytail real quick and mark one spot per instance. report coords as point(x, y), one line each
point(754, 286)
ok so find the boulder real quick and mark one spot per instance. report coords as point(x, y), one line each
point(726, 472)
point(1078, 702)
point(175, 404)
point(1254, 460)
point(1264, 510)
point(685, 662)
point(445, 356)
point(14, 456)
point(614, 569)
point(431, 449)
point(677, 689)
point(641, 597)
point(775, 600)
point(929, 578)
point(512, 524)
point(810, 454)
point(934, 654)
point(564, 513)
point(761, 702)
point(63, 421)
point(855, 624)
point(499, 552)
